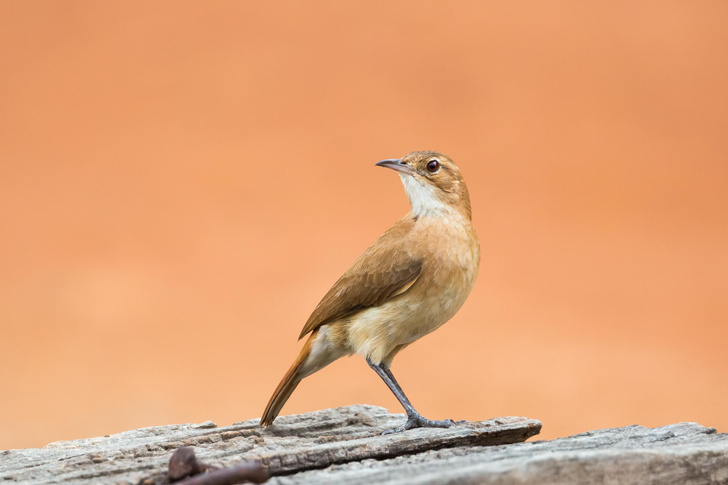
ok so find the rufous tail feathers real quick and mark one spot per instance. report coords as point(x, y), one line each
point(288, 384)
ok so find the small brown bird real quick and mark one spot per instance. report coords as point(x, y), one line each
point(413, 279)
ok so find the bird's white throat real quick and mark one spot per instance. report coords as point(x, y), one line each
point(423, 197)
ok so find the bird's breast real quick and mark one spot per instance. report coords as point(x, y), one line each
point(451, 256)
point(450, 267)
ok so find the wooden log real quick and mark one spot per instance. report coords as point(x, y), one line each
point(294, 444)
point(344, 446)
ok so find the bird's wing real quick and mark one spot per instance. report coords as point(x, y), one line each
point(387, 269)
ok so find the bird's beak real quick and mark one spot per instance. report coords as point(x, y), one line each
point(398, 165)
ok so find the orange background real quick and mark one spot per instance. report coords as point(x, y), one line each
point(180, 182)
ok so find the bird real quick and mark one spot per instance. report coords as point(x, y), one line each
point(411, 281)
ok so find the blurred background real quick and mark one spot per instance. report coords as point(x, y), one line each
point(181, 182)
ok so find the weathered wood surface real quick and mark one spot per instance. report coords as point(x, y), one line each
point(678, 454)
point(294, 445)
point(345, 446)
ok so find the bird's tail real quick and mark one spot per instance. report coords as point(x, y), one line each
point(288, 384)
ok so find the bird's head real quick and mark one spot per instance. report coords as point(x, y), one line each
point(432, 182)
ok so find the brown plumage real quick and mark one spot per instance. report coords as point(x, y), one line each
point(408, 283)
point(386, 269)
point(287, 385)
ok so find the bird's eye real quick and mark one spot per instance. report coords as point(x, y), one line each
point(433, 166)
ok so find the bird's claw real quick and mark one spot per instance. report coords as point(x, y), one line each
point(421, 422)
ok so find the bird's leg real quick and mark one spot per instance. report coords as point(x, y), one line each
point(414, 419)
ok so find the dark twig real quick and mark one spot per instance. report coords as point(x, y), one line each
point(251, 471)
point(184, 463)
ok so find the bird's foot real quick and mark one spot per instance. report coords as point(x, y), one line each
point(418, 421)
